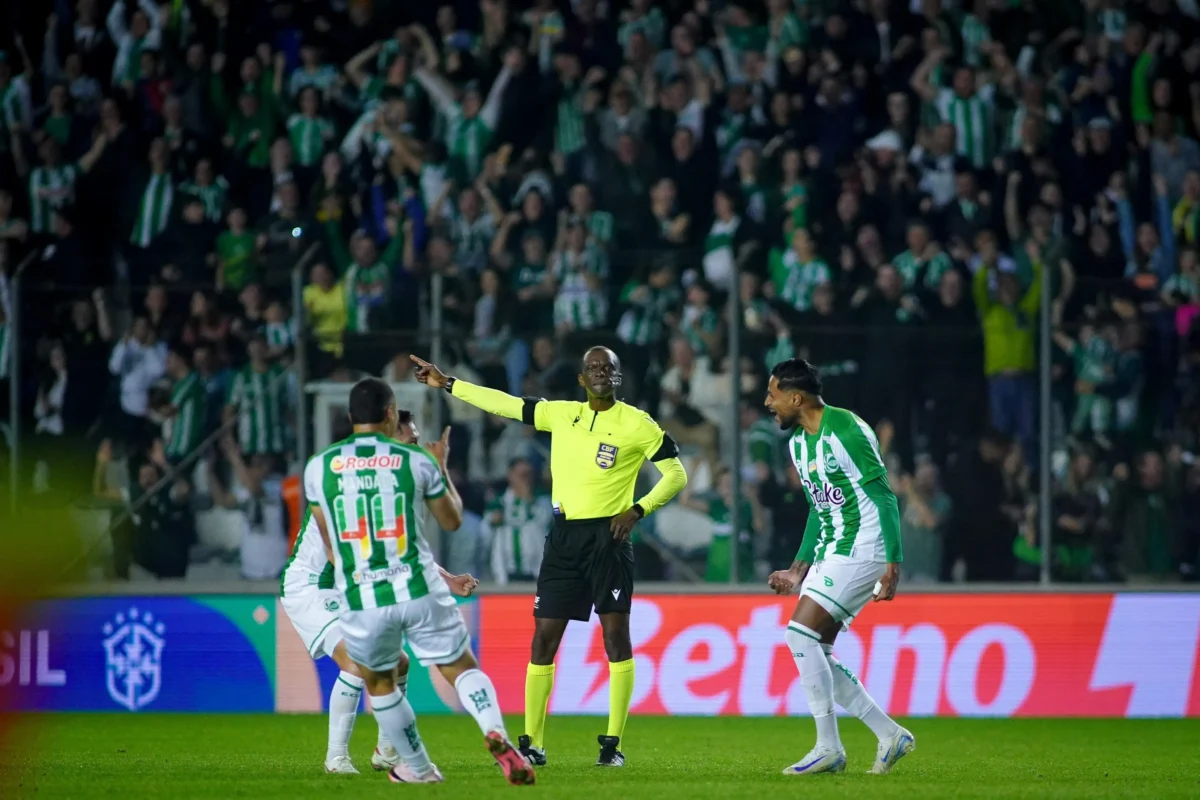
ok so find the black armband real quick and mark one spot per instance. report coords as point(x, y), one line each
point(668, 449)
point(530, 403)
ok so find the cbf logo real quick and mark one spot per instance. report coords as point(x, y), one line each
point(606, 456)
point(133, 654)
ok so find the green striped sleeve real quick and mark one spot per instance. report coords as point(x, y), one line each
point(880, 493)
point(808, 545)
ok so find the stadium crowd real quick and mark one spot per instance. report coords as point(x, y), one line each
point(889, 189)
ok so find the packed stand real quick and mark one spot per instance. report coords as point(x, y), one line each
point(889, 189)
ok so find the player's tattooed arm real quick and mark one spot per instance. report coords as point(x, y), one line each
point(786, 581)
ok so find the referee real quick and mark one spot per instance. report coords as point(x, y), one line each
point(597, 449)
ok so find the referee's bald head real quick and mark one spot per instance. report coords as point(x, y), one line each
point(600, 372)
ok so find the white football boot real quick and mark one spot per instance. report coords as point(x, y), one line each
point(341, 765)
point(892, 750)
point(819, 760)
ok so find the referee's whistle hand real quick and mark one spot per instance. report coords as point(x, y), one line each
point(622, 524)
point(428, 374)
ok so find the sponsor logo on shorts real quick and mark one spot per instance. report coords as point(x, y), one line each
point(828, 581)
point(535, 601)
point(606, 456)
point(616, 594)
point(356, 463)
point(332, 606)
point(376, 575)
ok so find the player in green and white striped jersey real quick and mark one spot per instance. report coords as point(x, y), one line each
point(259, 395)
point(185, 423)
point(850, 555)
point(368, 495)
point(313, 604)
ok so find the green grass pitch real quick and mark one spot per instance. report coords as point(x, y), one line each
point(215, 757)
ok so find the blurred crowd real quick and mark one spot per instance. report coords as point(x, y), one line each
point(905, 192)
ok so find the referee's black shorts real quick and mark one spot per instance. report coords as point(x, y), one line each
point(583, 567)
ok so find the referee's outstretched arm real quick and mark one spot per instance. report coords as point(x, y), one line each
point(663, 451)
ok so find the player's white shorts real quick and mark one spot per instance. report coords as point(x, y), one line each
point(432, 624)
point(314, 614)
point(842, 585)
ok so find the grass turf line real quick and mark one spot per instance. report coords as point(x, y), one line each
point(214, 757)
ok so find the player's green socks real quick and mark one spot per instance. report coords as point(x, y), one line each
point(620, 693)
point(539, 682)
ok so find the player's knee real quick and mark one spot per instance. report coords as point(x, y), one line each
point(617, 645)
point(544, 646)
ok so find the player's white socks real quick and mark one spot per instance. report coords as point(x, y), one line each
point(817, 680)
point(851, 695)
point(343, 708)
point(398, 722)
point(478, 697)
point(382, 744)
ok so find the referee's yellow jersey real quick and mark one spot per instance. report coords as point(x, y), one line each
point(595, 456)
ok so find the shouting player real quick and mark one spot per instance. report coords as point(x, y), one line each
point(308, 596)
point(368, 495)
point(850, 554)
point(597, 448)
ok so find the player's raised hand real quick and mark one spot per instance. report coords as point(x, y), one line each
point(783, 581)
point(440, 449)
point(886, 588)
point(462, 585)
point(428, 374)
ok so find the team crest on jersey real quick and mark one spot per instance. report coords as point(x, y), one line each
point(606, 456)
point(133, 648)
point(831, 462)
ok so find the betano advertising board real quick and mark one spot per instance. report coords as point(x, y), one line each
point(925, 654)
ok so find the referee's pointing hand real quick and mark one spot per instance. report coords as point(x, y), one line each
point(622, 524)
point(428, 374)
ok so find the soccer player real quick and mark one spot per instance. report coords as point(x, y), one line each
point(368, 495)
point(597, 448)
point(308, 596)
point(850, 554)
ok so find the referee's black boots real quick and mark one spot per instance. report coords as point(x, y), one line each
point(610, 756)
point(534, 755)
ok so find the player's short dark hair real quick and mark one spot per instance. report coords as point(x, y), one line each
point(369, 401)
point(797, 375)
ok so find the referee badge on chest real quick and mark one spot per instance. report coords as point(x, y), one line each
point(606, 456)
